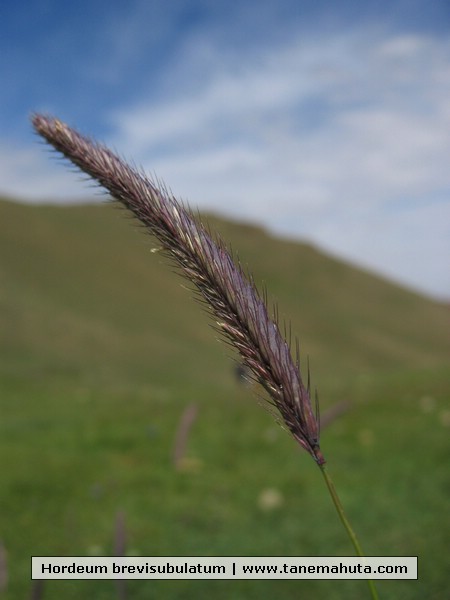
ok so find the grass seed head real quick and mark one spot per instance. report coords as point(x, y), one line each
point(237, 307)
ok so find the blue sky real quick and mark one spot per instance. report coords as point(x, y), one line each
point(322, 121)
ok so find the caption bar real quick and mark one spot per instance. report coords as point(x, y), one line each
point(223, 567)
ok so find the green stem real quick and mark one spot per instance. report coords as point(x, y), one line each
point(345, 522)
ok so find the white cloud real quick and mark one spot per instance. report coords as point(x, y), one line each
point(319, 138)
point(34, 175)
point(409, 244)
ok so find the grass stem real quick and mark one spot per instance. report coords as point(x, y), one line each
point(345, 522)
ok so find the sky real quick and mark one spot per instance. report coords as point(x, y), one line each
point(326, 122)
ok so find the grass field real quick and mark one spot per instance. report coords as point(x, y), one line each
point(102, 350)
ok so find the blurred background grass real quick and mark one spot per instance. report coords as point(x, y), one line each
point(102, 349)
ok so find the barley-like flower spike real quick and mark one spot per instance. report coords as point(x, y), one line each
point(238, 309)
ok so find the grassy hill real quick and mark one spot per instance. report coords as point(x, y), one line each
point(82, 293)
point(102, 348)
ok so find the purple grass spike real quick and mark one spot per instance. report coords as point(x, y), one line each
point(238, 309)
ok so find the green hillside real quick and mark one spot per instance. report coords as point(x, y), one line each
point(101, 350)
point(82, 293)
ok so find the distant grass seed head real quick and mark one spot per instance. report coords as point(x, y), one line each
point(238, 309)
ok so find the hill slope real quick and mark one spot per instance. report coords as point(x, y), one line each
point(102, 350)
point(81, 294)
